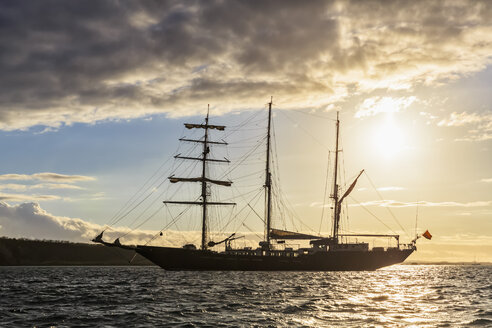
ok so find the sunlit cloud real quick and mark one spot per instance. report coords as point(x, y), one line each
point(22, 187)
point(13, 186)
point(489, 180)
point(391, 188)
point(47, 176)
point(394, 203)
point(460, 119)
point(474, 248)
point(50, 181)
point(24, 197)
point(55, 186)
point(482, 125)
point(375, 105)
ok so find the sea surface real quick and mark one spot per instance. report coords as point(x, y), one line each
point(398, 296)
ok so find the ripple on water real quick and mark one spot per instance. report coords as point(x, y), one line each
point(420, 296)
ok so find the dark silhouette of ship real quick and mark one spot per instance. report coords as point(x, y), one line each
point(323, 254)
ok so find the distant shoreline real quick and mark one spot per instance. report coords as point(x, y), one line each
point(445, 263)
point(29, 252)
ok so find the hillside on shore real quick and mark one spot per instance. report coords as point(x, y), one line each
point(14, 251)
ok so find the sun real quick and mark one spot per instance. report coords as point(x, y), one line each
point(389, 138)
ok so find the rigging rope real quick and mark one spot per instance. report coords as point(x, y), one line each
point(326, 190)
point(389, 210)
point(305, 131)
point(374, 216)
point(138, 191)
point(315, 115)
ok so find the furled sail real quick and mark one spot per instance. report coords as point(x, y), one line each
point(203, 126)
point(173, 179)
point(284, 234)
point(352, 186)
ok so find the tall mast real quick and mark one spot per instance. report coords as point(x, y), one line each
point(336, 212)
point(206, 150)
point(268, 178)
point(203, 179)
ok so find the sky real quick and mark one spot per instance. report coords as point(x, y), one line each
point(94, 96)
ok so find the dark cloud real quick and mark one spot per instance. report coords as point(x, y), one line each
point(63, 61)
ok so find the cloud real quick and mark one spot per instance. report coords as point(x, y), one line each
point(489, 180)
point(394, 203)
point(22, 187)
point(476, 248)
point(47, 176)
point(55, 181)
point(55, 186)
point(29, 220)
point(375, 105)
point(482, 124)
point(460, 119)
point(23, 198)
point(67, 62)
point(391, 188)
point(13, 186)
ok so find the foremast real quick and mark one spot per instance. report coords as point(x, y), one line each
point(203, 179)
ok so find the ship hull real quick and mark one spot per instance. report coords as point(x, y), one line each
point(170, 258)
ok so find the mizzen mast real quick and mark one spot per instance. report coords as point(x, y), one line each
point(339, 200)
point(336, 210)
point(203, 179)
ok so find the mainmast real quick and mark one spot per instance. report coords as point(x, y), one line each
point(203, 179)
point(268, 178)
point(336, 211)
point(206, 150)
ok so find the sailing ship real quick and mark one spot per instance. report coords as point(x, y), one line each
point(332, 253)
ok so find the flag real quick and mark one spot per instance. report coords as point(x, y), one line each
point(427, 234)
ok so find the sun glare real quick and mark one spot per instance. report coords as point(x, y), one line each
point(389, 138)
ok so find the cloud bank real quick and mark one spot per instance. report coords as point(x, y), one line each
point(77, 61)
point(29, 220)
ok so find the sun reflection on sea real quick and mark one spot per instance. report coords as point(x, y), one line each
point(398, 296)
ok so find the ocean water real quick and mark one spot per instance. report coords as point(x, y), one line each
point(398, 296)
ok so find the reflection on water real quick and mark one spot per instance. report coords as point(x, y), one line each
point(398, 296)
